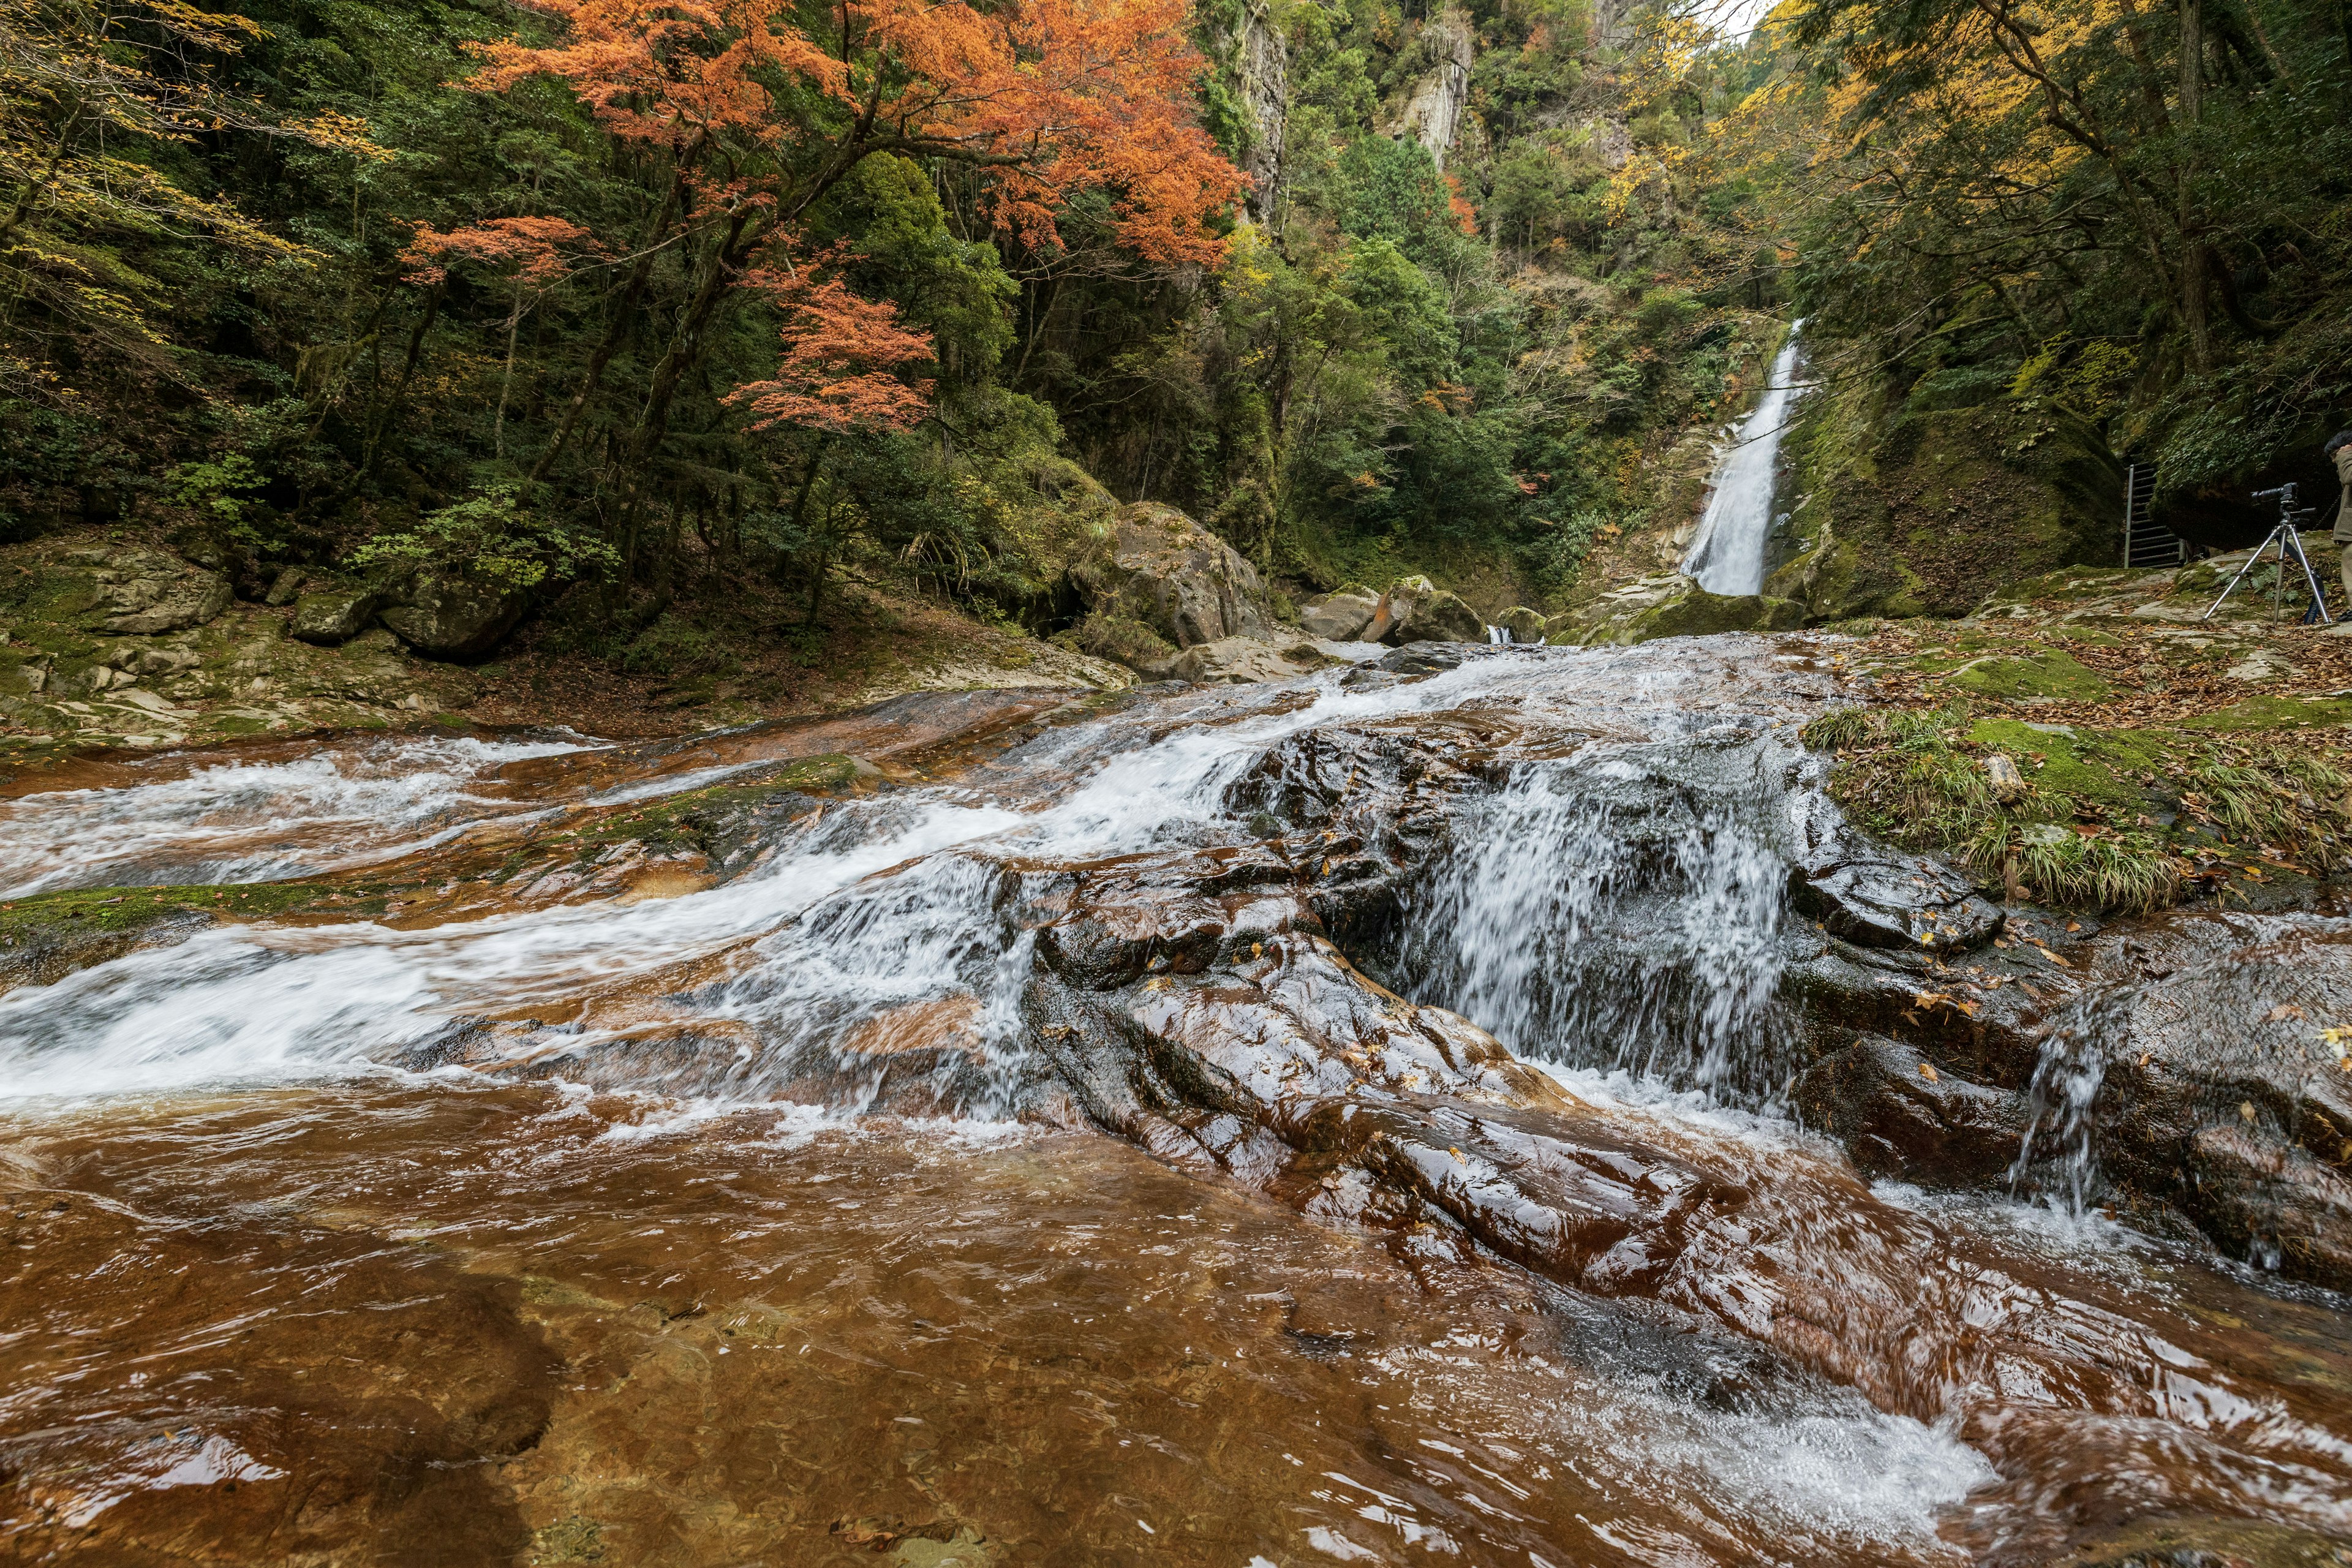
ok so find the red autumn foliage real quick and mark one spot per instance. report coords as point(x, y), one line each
point(529, 245)
point(1047, 97)
point(841, 357)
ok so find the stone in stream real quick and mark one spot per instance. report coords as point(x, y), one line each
point(1192, 1005)
point(1417, 610)
point(1900, 1116)
point(1526, 627)
point(1876, 896)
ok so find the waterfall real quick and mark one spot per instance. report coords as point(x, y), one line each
point(1729, 557)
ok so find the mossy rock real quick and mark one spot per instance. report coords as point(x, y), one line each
point(1930, 509)
point(1702, 613)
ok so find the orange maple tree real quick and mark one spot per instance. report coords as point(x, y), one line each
point(761, 106)
point(532, 247)
point(843, 357)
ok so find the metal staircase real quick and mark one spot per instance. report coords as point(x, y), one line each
point(2145, 541)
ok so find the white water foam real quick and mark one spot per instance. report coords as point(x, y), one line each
point(256, 822)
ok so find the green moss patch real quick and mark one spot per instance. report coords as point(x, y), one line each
point(2277, 713)
point(2104, 818)
point(2043, 672)
point(78, 912)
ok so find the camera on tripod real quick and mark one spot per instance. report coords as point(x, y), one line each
point(2289, 541)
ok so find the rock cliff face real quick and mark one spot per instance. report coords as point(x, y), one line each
point(1432, 113)
point(1262, 69)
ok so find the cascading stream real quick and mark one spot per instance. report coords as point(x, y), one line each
point(816, 1117)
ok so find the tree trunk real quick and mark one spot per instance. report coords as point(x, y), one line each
point(2192, 254)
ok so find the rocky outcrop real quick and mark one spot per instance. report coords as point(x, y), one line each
point(1432, 113)
point(1925, 507)
point(1158, 569)
point(147, 591)
point(1261, 59)
point(444, 616)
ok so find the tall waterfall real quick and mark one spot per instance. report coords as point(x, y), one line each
point(1729, 557)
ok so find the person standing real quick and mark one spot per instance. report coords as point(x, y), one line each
point(2339, 448)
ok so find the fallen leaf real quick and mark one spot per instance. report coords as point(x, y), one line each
point(2282, 1012)
point(1927, 1072)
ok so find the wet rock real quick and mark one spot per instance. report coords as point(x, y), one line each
point(1900, 1115)
point(1339, 617)
point(332, 616)
point(1415, 662)
point(1988, 1027)
point(2270, 1201)
point(2220, 1088)
point(444, 616)
point(1159, 569)
point(145, 592)
point(1876, 896)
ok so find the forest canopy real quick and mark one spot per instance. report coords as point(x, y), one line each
point(657, 296)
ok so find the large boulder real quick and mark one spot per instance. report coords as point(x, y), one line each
point(1417, 610)
point(147, 591)
point(444, 616)
point(332, 616)
point(1156, 568)
point(1340, 617)
point(1526, 627)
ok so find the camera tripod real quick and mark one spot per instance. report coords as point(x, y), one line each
point(2290, 545)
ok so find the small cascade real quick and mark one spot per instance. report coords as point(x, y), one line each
point(2058, 1160)
point(1729, 556)
point(1620, 910)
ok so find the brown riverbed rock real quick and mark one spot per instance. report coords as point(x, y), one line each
point(1901, 1116)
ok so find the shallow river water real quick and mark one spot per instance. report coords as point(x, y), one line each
point(660, 1210)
